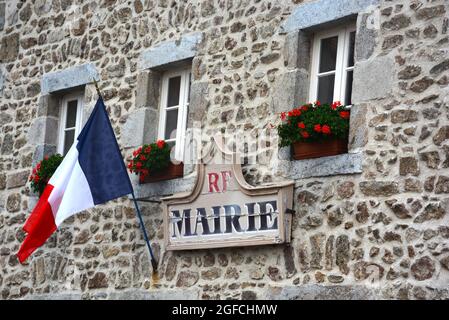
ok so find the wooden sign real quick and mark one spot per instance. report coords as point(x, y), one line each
point(223, 210)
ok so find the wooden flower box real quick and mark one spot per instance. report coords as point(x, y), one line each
point(316, 149)
point(173, 171)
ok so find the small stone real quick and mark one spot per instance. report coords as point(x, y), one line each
point(445, 262)
point(442, 185)
point(335, 279)
point(13, 202)
point(342, 253)
point(317, 243)
point(306, 197)
point(269, 58)
point(362, 214)
point(442, 135)
point(408, 165)
point(379, 188)
point(442, 66)
point(431, 158)
point(430, 12)
point(274, 273)
point(397, 22)
point(211, 274)
point(98, 281)
point(393, 41)
point(346, 189)
point(403, 116)
point(421, 84)
point(187, 278)
point(423, 268)
point(249, 295)
point(432, 211)
point(409, 72)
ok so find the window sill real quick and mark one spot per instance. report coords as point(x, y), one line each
point(162, 188)
point(346, 163)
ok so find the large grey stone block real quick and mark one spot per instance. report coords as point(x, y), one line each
point(291, 89)
point(323, 292)
point(148, 88)
point(322, 11)
point(358, 135)
point(41, 151)
point(367, 35)
point(297, 50)
point(171, 294)
point(156, 190)
point(198, 102)
point(54, 296)
point(69, 78)
point(140, 128)
point(43, 130)
point(347, 163)
point(48, 106)
point(373, 79)
point(170, 51)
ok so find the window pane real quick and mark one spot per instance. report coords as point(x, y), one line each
point(351, 49)
point(69, 137)
point(348, 90)
point(71, 114)
point(326, 88)
point(174, 85)
point(328, 54)
point(171, 122)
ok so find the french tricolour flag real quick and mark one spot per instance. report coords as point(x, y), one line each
point(91, 173)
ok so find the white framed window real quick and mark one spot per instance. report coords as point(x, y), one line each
point(69, 121)
point(175, 95)
point(333, 65)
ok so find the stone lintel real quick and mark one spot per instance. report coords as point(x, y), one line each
point(170, 51)
point(323, 11)
point(69, 78)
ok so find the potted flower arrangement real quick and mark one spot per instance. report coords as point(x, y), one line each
point(151, 162)
point(43, 171)
point(315, 130)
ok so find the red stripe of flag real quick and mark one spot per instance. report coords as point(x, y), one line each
point(39, 226)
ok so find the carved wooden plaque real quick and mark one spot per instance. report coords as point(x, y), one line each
point(223, 210)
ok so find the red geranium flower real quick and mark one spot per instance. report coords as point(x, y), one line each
point(335, 105)
point(139, 165)
point(317, 103)
point(301, 125)
point(282, 116)
point(344, 114)
point(147, 149)
point(326, 129)
point(142, 157)
point(317, 128)
point(305, 134)
point(160, 144)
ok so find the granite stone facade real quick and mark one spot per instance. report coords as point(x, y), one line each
point(370, 224)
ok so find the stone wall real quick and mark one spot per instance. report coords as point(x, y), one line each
point(380, 233)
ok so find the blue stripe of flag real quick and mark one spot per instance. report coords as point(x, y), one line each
point(100, 158)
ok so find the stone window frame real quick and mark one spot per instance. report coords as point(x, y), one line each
point(142, 124)
point(305, 20)
point(43, 133)
point(44, 130)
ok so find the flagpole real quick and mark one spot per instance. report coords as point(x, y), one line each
point(153, 260)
